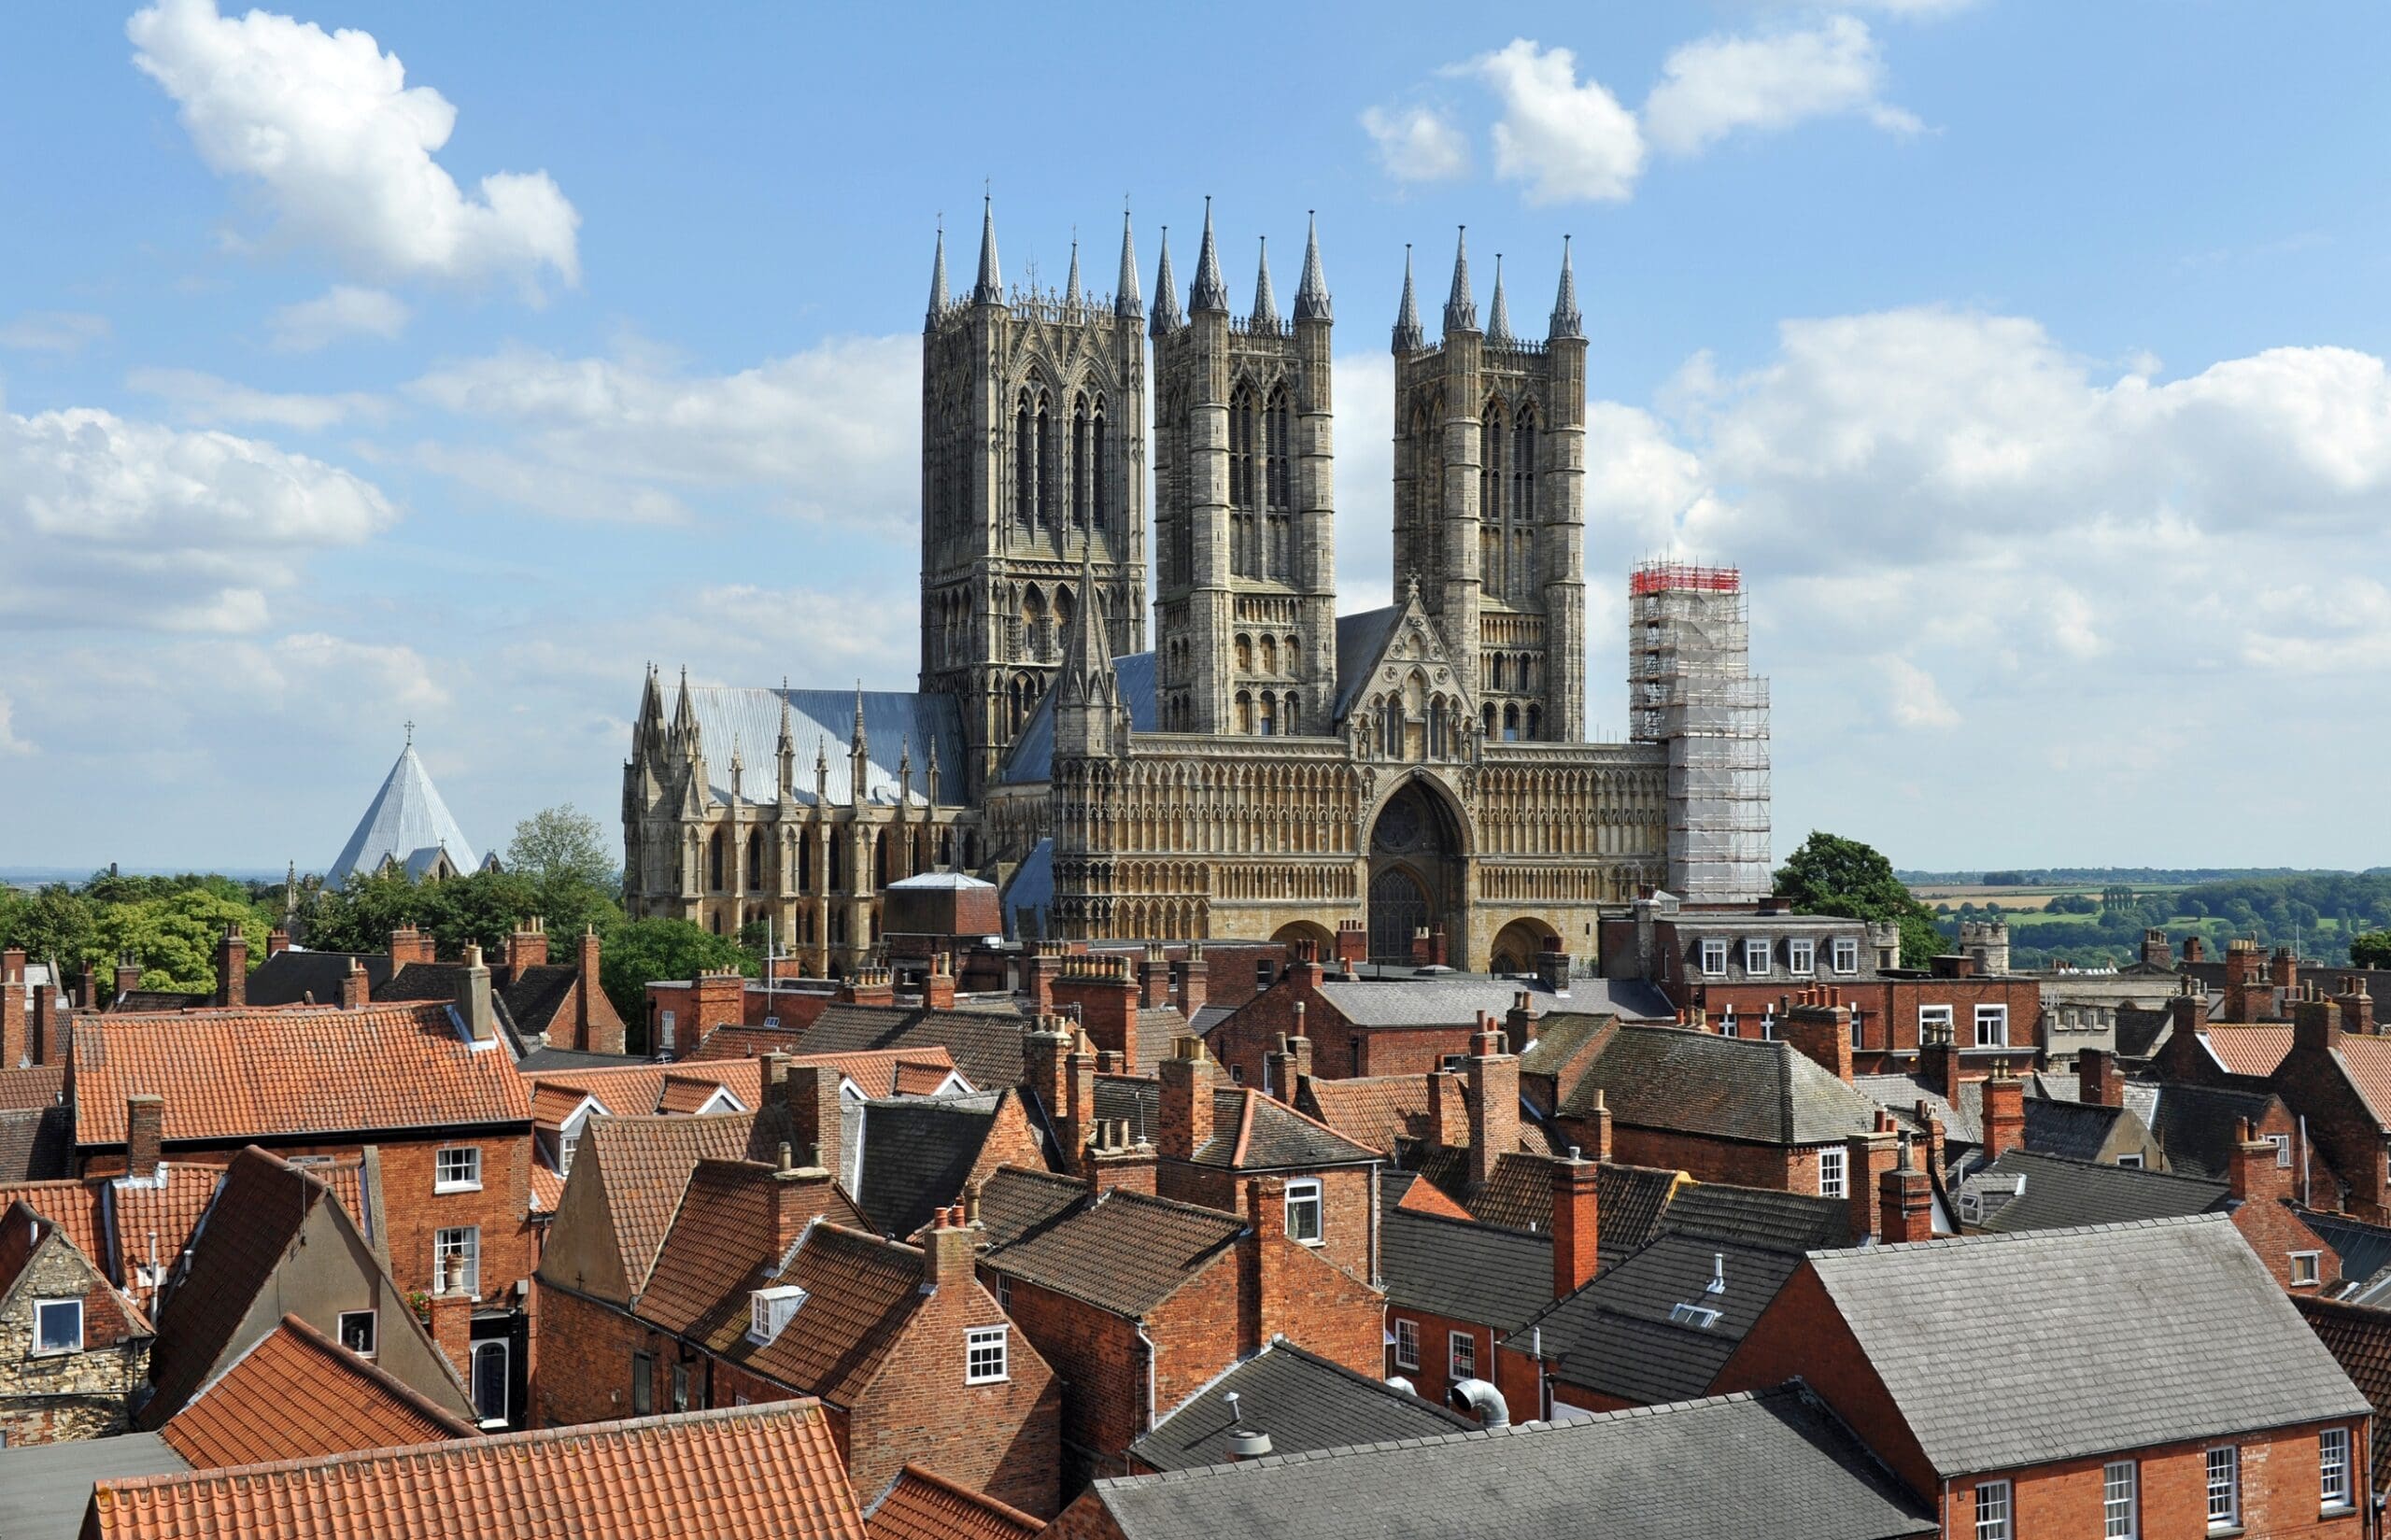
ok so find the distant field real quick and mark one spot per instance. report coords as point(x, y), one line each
point(2018, 899)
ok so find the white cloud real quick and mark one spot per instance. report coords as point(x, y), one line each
point(11, 747)
point(1568, 141)
point(205, 399)
point(342, 147)
point(1713, 87)
point(345, 310)
point(1916, 10)
point(53, 331)
point(831, 434)
point(1911, 699)
point(132, 525)
point(1417, 143)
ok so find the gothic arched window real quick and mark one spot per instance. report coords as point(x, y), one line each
point(1045, 466)
point(1291, 716)
point(1244, 712)
point(1490, 722)
point(1244, 653)
point(755, 873)
point(1523, 465)
point(1535, 722)
point(1025, 465)
point(1081, 477)
point(1510, 724)
point(717, 861)
point(1269, 720)
point(1096, 469)
point(1244, 489)
point(1279, 489)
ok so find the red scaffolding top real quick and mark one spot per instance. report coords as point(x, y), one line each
point(1657, 577)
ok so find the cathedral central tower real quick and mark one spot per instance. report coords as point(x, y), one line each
point(1033, 483)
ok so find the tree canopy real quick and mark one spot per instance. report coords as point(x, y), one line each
point(2371, 950)
point(1832, 875)
point(641, 951)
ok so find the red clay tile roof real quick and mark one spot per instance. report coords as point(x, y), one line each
point(644, 1164)
point(769, 1472)
point(257, 1213)
point(725, 1238)
point(919, 1077)
point(238, 1074)
point(547, 1187)
point(295, 1395)
point(2257, 1050)
point(859, 1292)
point(74, 1206)
point(635, 1090)
point(878, 1072)
point(925, 1505)
point(168, 1205)
point(111, 1316)
point(1425, 1197)
point(688, 1094)
point(32, 1086)
point(1373, 1110)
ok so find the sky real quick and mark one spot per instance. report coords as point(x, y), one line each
point(376, 363)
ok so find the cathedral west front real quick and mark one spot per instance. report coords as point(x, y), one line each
point(1257, 766)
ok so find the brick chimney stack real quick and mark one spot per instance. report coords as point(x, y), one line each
point(1353, 944)
point(2005, 1112)
point(717, 999)
point(2316, 1026)
point(1493, 1100)
point(810, 1093)
point(865, 986)
point(1867, 1159)
point(1519, 1023)
point(2195, 949)
point(2251, 1176)
point(1154, 977)
point(1576, 1224)
point(145, 1135)
point(938, 987)
point(232, 967)
point(527, 948)
point(2284, 969)
point(353, 986)
point(2156, 952)
point(1186, 1100)
point(1818, 1025)
point(1106, 992)
point(2097, 1079)
point(128, 979)
point(1266, 1213)
point(1938, 1064)
point(277, 941)
point(16, 1049)
point(1290, 1064)
point(1190, 979)
point(410, 946)
point(593, 1031)
point(474, 998)
point(947, 1250)
point(2358, 1005)
point(1597, 1118)
point(1905, 1207)
point(49, 1023)
point(2246, 996)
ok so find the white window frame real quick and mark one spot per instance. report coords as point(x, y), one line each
point(2222, 1470)
point(1859, 1027)
point(2283, 1151)
point(2121, 1499)
point(987, 1355)
point(43, 1345)
point(1834, 1172)
point(1304, 1194)
point(489, 1347)
point(2129, 1163)
point(1758, 963)
point(1938, 1016)
point(1407, 1344)
point(1997, 1018)
point(664, 1030)
point(372, 1332)
point(1461, 1356)
point(2307, 1269)
point(1846, 952)
point(1992, 1511)
point(1802, 957)
point(456, 1168)
point(568, 1144)
point(766, 1317)
point(462, 1241)
point(2333, 1486)
point(1714, 959)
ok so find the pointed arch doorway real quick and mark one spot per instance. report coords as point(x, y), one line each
point(1418, 872)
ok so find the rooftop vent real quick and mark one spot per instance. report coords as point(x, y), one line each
point(1244, 1442)
point(1717, 1284)
point(769, 1310)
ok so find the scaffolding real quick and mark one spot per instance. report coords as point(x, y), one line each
point(1690, 688)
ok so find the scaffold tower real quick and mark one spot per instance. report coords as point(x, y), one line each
point(1690, 690)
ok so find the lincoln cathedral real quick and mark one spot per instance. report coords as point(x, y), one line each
point(1264, 767)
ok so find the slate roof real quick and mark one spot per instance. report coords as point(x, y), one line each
point(923, 1504)
point(1031, 759)
point(1757, 1216)
point(1302, 1401)
point(1126, 1253)
point(642, 1166)
point(1361, 639)
point(1962, 1122)
point(238, 1074)
point(2199, 1125)
point(654, 1478)
point(36, 1143)
point(1430, 1002)
point(290, 976)
point(1615, 1335)
point(296, 1395)
point(2365, 1249)
point(2139, 1029)
point(1654, 1474)
point(916, 1153)
point(1466, 1271)
point(984, 1044)
point(747, 719)
point(2061, 1194)
point(405, 823)
point(1016, 1201)
point(2073, 1129)
point(2360, 1338)
point(45, 1488)
point(1696, 1083)
point(1250, 1132)
point(1632, 1201)
point(2227, 1355)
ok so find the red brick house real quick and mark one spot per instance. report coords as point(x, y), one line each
point(2219, 1412)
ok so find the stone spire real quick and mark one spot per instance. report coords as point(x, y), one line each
point(1266, 303)
point(857, 744)
point(1125, 294)
point(1498, 320)
point(1087, 658)
point(1311, 295)
point(1460, 309)
point(1568, 320)
point(648, 737)
point(990, 290)
point(1209, 292)
point(684, 721)
point(1071, 295)
point(938, 281)
point(1409, 338)
point(1167, 317)
point(785, 753)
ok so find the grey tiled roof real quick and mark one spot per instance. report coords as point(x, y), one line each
point(1466, 1271)
point(1696, 1083)
point(1757, 1216)
point(406, 822)
point(1277, 1137)
point(2076, 1130)
point(1900, 1094)
point(2199, 1125)
point(45, 1489)
point(2365, 1249)
point(985, 1045)
point(1429, 1002)
point(290, 976)
point(1302, 1401)
point(1360, 637)
point(2060, 1194)
point(917, 1153)
point(1655, 1473)
point(1031, 759)
point(1016, 1201)
point(1126, 1253)
point(747, 720)
point(1616, 1336)
point(2175, 1331)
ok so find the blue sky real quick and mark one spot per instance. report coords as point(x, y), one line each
point(373, 362)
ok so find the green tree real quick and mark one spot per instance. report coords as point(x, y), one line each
point(173, 937)
point(643, 951)
point(1832, 875)
point(563, 852)
point(2370, 950)
point(56, 923)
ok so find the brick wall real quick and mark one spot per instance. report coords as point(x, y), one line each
point(1348, 1219)
point(583, 1373)
point(1004, 1440)
point(2279, 1492)
point(1084, 1519)
point(1432, 1378)
point(1785, 1168)
point(1100, 1369)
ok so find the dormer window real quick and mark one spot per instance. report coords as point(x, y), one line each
point(1846, 956)
point(1755, 957)
point(1801, 958)
point(1714, 959)
point(769, 1310)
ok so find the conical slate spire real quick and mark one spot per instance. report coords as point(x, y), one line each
point(1071, 295)
point(990, 290)
point(938, 282)
point(1209, 292)
point(1125, 294)
point(1568, 322)
point(1311, 295)
point(1167, 317)
point(1087, 658)
point(1460, 309)
point(1266, 303)
point(1407, 335)
point(1498, 320)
